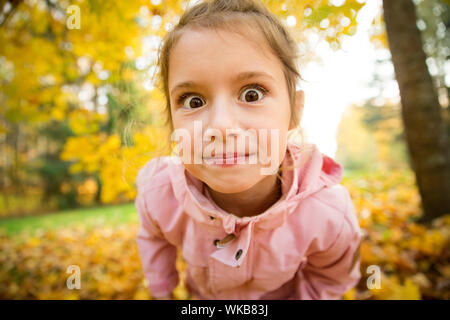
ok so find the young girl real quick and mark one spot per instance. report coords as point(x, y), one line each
point(229, 67)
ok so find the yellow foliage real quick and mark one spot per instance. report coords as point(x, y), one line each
point(393, 289)
point(84, 122)
point(350, 294)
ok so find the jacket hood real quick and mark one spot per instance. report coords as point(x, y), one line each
point(312, 172)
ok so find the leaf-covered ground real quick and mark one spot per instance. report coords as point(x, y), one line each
point(413, 259)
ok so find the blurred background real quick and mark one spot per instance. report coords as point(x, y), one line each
point(80, 113)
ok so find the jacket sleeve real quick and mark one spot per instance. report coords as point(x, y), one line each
point(158, 256)
point(330, 273)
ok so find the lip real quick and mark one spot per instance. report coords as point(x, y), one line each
point(228, 159)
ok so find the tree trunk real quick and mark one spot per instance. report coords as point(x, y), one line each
point(425, 131)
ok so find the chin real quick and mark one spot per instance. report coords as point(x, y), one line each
point(231, 183)
point(228, 188)
point(227, 180)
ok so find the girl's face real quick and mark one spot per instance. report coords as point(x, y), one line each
point(225, 82)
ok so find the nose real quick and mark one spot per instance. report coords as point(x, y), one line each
point(223, 116)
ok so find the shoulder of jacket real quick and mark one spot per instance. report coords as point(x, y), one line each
point(155, 173)
point(325, 210)
point(323, 215)
point(335, 197)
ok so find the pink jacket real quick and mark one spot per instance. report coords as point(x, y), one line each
point(305, 246)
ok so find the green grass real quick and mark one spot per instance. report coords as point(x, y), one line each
point(106, 215)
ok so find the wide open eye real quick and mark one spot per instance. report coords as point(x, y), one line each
point(253, 93)
point(191, 101)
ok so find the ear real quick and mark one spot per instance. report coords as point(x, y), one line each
point(299, 105)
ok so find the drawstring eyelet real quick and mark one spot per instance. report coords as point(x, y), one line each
point(238, 254)
point(225, 241)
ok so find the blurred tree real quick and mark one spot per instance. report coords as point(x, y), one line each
point(426, 132)
point(53, 172)
point(434, 23)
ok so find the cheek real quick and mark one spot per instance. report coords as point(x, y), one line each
point(274, 126)
point(277, 114)
point(191, 129)
point(183, 136)
point(276, 142)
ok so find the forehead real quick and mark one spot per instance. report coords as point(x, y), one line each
point(212, 54)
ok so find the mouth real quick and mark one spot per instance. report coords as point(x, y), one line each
point(228, 159)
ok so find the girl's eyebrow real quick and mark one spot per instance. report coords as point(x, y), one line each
point(240, 77)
